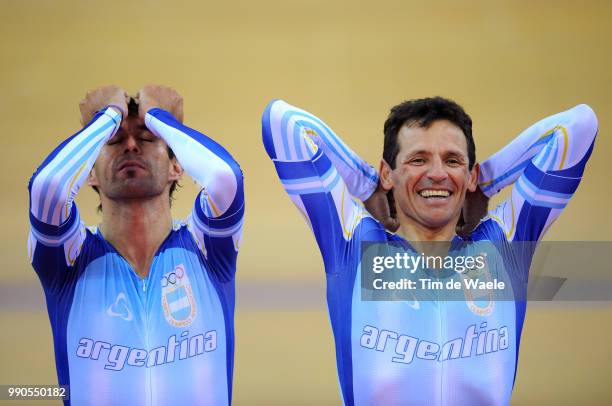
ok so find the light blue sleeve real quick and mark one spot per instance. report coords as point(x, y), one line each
point(56, 232)
point(544, 164)
point(217, 218)
point(322, 176)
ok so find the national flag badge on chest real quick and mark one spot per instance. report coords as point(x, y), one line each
point(177, 297)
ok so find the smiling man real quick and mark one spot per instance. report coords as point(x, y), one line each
point(141, 307)
point(434, 352)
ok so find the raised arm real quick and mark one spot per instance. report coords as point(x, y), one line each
point(319, 172)
point(289, 133)
point(56, 233)
point(545, 164)
point(217, 217)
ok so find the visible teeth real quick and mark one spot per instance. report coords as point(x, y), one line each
point(434, 193)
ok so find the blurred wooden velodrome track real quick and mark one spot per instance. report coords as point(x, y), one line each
point(507, 63)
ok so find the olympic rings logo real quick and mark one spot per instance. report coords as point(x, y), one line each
point(172, 277)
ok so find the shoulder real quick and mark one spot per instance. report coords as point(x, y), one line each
point(373, 230)
point(182, 236)
point(490, 228)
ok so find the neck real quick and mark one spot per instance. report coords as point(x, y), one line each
point(413, 231)
point(136, 228)
point(421, 237)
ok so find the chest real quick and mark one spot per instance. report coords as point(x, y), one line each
point(179, 294)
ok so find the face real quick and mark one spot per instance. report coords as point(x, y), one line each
point(134, 164)
point(431, 175)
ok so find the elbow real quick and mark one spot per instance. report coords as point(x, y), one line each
point(40, 183)
point(272, 114)
point(227, 189)
point(239, 176)
point(585, 121)
point(42, 189)
point(231, 175)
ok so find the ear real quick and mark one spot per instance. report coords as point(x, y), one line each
point(176, 170)
point(474, 175)
point(385, 175)
point(92, 179)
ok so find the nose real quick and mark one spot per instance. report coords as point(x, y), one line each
point(130, 144)
point(436, 171)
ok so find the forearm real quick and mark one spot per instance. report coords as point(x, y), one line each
point(207, 162)
point(300, 130)
point(57, 180)
point(568, 135)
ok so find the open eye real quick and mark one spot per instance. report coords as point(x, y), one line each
point(417, 161)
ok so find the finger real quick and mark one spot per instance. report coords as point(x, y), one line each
point(180, 110)
point(466, 229)
point(460, 230)
point(391, 224)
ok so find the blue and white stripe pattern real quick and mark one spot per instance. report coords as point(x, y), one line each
point(545, 163)
point(295, 135)
point(53, 187)
point(219, 208)
point(326, 183)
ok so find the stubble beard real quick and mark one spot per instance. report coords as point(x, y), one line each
point(131, 186)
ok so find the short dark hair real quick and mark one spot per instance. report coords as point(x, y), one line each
point(423, 113)
point(133, 112)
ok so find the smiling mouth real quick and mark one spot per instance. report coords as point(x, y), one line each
point(434, 194)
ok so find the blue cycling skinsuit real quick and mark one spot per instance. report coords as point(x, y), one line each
point(164, 339)
point(434, 353)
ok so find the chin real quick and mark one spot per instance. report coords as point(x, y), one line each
point(135, 191)
point(439, 221)
point(436, 224)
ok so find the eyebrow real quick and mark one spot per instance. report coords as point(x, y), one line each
point(425, 152)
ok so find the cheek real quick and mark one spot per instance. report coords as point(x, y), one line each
point(408, 177)
point(99, 169)
point(103, 162)
point(461, 178)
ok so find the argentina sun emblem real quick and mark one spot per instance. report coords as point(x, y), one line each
point(177, 297)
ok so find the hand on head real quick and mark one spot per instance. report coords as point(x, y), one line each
point(101, 97)
point(149, 97)
point(474, 209)
point(164, 97)
point(378, 206)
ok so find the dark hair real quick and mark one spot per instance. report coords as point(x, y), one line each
point(133, 112)
point(423, 113)
point(132, 108)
